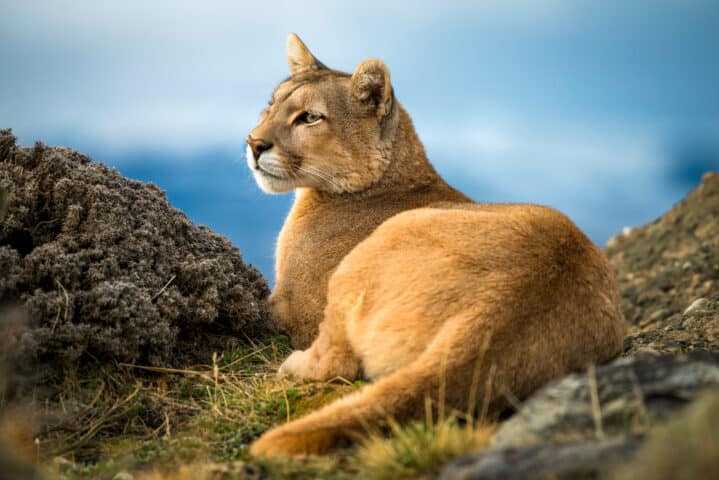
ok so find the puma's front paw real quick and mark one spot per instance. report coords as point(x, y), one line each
point(296, 365)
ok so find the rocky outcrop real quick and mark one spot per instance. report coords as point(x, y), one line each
point(624, 396)
point(585, 423)
point(105, 268)
point(550, 461)
point(684, 448)
point(668, 272)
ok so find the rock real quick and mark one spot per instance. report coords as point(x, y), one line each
point(562, 432)
point(570, 460)
point(698, 306)
point(663, 267)
point(696, 328)
point(106, 269)
point(631, 393)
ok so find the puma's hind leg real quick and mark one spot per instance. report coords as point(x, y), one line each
point(330, 355)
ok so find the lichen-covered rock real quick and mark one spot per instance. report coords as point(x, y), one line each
point(106, 268)
point(631, 393)
point(562, 432)
point(580, 460)
point(668, 273)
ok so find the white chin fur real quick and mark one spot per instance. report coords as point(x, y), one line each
point(267, 184)
point(270, 184)
point(250, 156)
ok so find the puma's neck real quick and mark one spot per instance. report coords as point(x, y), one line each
point(407, 167)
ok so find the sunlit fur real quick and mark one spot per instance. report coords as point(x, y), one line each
point(386, 272)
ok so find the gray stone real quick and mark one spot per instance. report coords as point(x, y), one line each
point(631, 391)
point(584, 423)
point(698, 305)
point(554, 461)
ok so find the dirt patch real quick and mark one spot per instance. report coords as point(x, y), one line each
point(106, 269)
point(668, 272)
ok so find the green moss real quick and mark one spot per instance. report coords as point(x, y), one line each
point(319, 396)
point(304, 468)
point(171, 452)
point(133, 455)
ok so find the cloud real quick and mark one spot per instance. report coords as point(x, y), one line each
point(505, 145)
point(604, 178)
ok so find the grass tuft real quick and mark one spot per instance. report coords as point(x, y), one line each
point(418, 450)
point(684, 448)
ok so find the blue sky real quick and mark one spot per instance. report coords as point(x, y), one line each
point(606, 110)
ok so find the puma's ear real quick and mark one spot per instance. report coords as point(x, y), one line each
point(299, 57)
point(371, 85)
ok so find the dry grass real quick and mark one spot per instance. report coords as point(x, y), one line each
point(140, 418)
point(198, 423)
point(685, 448)
point(419, 450)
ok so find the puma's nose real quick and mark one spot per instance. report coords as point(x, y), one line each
point(258, 146)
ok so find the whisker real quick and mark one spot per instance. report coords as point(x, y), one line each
point(321, 175)
point(274, 168)
point(326, 176)
point(331, 181)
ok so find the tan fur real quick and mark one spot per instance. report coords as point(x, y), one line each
point(400, 278)
point(17, 434)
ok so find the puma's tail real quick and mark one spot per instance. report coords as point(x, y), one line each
point(342, 421)
point(400, 395)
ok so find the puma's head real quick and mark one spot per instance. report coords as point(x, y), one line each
point(324, 129)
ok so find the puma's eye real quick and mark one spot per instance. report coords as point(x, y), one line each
point(309, 118)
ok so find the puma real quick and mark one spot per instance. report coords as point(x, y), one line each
point(386, 272)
